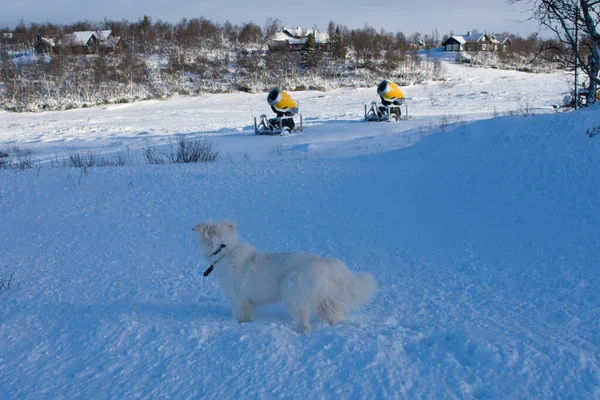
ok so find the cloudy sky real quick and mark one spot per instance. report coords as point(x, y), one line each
point(407, 16)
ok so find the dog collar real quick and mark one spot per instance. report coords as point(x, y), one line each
point(210, 269)
point(221, 247)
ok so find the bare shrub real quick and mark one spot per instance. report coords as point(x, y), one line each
point(152, 156)
point(16, 158)
point(58, 161)
point(122, 160)
point(444, 123)
point(192, 150)
point(6, 281)
point(438, 70)
point(78, 159)
point(525, 108)
point(591, 132)
point(3, 159)
point(87, 159)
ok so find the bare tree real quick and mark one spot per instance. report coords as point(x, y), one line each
point(282, 62)
point(272, 26)
point(391, 61)
point(250, 33)
point(366, 46)
point(250, 65)
point(100, 69)
point(131, 68)
point(575, 22)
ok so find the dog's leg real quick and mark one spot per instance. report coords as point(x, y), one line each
point(301, 317)
point(328, 312)
point(297, 301)
point(244, 312)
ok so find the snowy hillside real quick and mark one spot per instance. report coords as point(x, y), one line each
point(484, 240)
point(333, 118)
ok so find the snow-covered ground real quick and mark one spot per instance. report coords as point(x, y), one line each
point(484, 239)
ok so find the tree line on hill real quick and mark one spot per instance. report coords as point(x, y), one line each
point(160, 59)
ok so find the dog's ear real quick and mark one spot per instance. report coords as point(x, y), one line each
point(230, 225)
point(201, 227)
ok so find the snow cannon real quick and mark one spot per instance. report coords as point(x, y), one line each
point(390, 93)
point(392, 99)
point(281, 103)
point(284, 108)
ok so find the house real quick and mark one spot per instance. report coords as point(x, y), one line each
point(8, 37)
point(111, 45)
point(86, 42)
point(43, 45)
point(469, 42)
point(83, 42)
point(417, 45)
point(294, 39)
point(499, 42)
point(454, 43)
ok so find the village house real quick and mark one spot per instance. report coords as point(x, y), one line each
point(8, 37)
point(43, 45)
point(81, 42)
point(417, 45)
point(294, 39)
point(475, 42)
point(499, 42)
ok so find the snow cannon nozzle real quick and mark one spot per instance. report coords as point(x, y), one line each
point(381, 88)
point(390, 93)
point(274, 96)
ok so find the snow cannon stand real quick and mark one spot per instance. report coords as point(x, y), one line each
point(277, 125)
point(377, 113)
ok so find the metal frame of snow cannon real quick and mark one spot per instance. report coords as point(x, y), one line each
point(372, 113)
point(264, 126)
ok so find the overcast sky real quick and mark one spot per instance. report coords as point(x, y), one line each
point(407, 16)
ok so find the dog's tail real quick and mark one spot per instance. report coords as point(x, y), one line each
point(344, 290)
point(350, 289)
point(359, 288)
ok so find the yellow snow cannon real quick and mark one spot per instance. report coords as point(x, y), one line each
point(390, 93)
point(282, 103)
point(392, 99)
point(285, 108)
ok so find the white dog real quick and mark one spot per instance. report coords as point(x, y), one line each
point(306, 283)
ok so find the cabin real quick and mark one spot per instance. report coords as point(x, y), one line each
point(476, 42)
point(80, 42)
point(112, 44)
point(417, 45)
point(43, 45)
point(454, 43)
point(294, 38)
point(8, 37)
point(469, 42)
point(499, 42)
